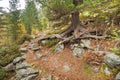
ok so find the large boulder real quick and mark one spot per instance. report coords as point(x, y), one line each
point(117, 76)
point(112, 60)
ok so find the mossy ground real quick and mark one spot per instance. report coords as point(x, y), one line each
point(6, 56)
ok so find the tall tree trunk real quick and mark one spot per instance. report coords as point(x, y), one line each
point(75, 22)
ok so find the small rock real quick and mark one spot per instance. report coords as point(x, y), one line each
point(35, 49)
point(85, 43)
point(78, 52)
point(22, 73)
point(106, 71)
point(9, 67)
point(49, 77)
point(22, 65)
point(117, 76)
point(33, 36)
point(18, 59)
point(23, 49)
point(59, 48)
point(30, 51)
point(96, 70)
point(44, 79)
point(72, 46)
point(66, 68)
point(39, 55)
point(30, 77)
point(112, 60)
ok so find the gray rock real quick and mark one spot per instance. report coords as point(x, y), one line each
point(23, 49)
point(85, 43)
point(112, 60)
point(59, 48)
point(9, 67)
point(106, 71)
point(49, 77)
point(66, 68)
point(33, 36)
point(31, 77)
point(22, 65)
point(23, 73)
point(96, 70)
point(18, 59)
point(30, 51)
point(39, 56)
point(36, 49)
point(72, 46)
point(78, 51)
point(117, 76)
point(44, 79)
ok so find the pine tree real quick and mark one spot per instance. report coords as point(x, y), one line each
point(14, 16)
point(30, 16)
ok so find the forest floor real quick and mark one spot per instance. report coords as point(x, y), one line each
point(65, 66)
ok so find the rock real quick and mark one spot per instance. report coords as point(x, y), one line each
point(39, 55)
point(112, 60)
point(66, 68)
point(23, 49)
point(18, 59)
point(49, 77)
point(30, 51)
point(35, 49)
point(72, 46)
point(85, 43)
point(59, 48)
point(9, 67)
point(31, 77)
point(22, 73)
point(43, 42)
point(78, 51)
point(106, 71)
point(117, 76)
point(44, 79)
point(33, 36)
point(22, 65)
point(96, 70)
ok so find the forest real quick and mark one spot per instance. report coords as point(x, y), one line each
point(60, 40)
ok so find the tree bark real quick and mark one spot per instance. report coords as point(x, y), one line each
point(75, 22)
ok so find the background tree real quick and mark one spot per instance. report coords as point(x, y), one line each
point(30, 16)
point(68, 10)
point(14, 16)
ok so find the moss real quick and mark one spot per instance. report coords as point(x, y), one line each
point(87, 69)
point(49, 42)
point(114, 71)
point(2, 73)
